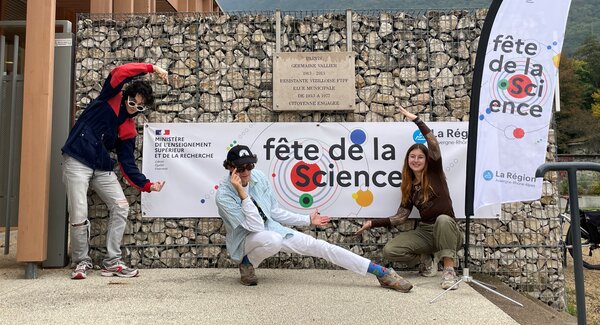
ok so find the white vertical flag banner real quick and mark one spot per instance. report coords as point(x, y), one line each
point(518, 80)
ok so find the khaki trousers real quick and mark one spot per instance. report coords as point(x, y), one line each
point(442, 239)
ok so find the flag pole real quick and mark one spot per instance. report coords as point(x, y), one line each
point(474, 120)
point(472, 151)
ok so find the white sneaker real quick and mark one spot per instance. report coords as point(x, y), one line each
point(449, 278)
point(79, 273)
point(119, 269)
point(428, 265)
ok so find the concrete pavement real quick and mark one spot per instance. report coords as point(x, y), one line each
point(214, 296)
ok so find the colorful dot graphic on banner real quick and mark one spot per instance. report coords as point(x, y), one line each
point(231, 145)
point(510, 131)
point(555, 58)
point(518, 133)
point(515, 92)
point(358, 136)
point(203, 200)
point(363, 198)
point(296, 182)
point(306, 200)
point(310, 183)
point(308, 170)
point(503, 84)
point(452, 165)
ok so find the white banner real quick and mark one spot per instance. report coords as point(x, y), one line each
point(343, 169)
point(515, 105)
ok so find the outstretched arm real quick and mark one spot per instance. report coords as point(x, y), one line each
point(284, 216)
point(122, 74)
point(125, 147)
point(432, 143)
point(399, 218)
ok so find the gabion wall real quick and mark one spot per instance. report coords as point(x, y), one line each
point(223, 73)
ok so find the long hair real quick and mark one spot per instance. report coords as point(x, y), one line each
point(409, 177)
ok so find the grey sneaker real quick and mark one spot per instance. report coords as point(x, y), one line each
point(449, 278)
point(119, 269)
point(393, 281)
point(247, 275)
point(79, 273)
point(428, 266)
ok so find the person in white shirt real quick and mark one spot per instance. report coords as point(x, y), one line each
point(253, 221)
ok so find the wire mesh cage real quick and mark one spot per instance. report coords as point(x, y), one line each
point(221, 70)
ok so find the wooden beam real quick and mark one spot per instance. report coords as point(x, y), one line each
point(101, 6)
point(123, 6)
point(182, 6)
point(3, 10)
point(142, 6)
point(192, 5)
point(36, 132)
point(196, 5)
point(174, 4)
point(207, 5)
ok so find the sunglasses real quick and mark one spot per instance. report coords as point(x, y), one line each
point(245, 168)
point(139, 107)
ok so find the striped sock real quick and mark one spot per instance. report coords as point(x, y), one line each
point(377, 269)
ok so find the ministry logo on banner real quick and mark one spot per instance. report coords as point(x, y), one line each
point(515, 101)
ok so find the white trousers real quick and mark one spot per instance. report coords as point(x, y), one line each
point(263, 244)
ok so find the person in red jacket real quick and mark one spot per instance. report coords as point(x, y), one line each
point(106, 125)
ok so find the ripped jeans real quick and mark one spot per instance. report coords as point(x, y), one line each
point(77, 178)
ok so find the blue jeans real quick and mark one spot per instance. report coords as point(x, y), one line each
point(77, 178)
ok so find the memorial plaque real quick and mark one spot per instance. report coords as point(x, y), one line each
point(313, 81)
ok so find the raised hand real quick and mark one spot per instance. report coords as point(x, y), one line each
point(236, 181)
point(406, 113)
point(162, 73)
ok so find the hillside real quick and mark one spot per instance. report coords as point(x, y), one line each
point(583, 17)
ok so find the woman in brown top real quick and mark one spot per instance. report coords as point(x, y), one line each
point(424, 186)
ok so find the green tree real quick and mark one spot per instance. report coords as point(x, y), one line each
point(589, 52)
point(584, 75)
point(596, 103)
point(573, 120)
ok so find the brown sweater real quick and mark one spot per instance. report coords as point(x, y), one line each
point(439, 199)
